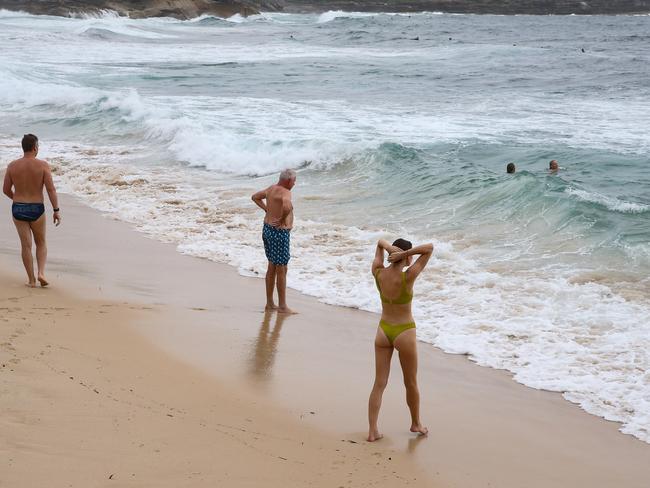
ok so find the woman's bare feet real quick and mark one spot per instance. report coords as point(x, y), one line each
point(286, 310)
point(42, 281)
point(419, 429)
point(31, 285)
point(374, 435)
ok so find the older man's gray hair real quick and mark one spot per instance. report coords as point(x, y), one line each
point(287, 174)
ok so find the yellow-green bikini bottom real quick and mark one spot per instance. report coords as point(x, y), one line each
point(393, 330)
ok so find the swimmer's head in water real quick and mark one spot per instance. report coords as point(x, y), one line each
point(553, 166)
point(510, 168)
point(29, 143)
point(288, 178)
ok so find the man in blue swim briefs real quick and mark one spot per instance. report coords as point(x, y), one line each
point(24, 181)
point(276, 235)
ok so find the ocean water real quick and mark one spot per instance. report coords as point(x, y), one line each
point(398, 125)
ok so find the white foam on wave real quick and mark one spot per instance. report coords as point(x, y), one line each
point(551, 332)
point(609, 202)
point(295, 125)
point(340, 14)
point(98, 14)
point(7, 14)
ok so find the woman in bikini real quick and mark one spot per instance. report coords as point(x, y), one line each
point(396, 328)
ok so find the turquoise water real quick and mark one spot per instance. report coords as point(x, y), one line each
point(542, 274)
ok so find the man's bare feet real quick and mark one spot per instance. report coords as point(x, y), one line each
point(374, 435)
point(42, 281)
point(286, 310)
point(419, 429)
point(270, 306)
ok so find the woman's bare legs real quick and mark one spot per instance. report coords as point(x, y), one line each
point(25, 235)
point(383, 355)
point(406, 345)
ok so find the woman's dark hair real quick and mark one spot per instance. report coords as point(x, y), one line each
point(403, 244)
point(29, 142)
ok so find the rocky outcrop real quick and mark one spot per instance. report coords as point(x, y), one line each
point(186, 9)
point(505, 7)
point(180, 9)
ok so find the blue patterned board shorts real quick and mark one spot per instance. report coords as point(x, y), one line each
point(276, 244)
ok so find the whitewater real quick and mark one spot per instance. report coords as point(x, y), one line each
point(399, 126)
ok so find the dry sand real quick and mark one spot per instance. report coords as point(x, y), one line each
point(162, 370)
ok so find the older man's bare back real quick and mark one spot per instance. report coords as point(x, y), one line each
point(279, 209)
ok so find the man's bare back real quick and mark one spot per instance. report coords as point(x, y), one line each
point(28, 176)
point(279, 209)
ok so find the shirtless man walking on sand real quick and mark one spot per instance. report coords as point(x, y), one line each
point(276, 235)
point(23, 183)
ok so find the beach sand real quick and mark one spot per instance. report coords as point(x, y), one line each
point(144, 367)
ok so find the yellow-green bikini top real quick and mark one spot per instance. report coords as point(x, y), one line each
point(404, 295)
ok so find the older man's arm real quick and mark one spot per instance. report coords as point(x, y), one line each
point(259, 198)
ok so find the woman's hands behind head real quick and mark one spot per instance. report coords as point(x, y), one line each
point(396, 255)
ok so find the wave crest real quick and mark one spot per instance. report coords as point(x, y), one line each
point(613, 204)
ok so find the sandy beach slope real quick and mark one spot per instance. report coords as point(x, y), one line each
point(144, 367)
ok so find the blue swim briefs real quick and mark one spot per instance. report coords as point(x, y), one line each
point(27, 212)
point(276, 244)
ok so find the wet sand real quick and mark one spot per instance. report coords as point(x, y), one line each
point(180, 379)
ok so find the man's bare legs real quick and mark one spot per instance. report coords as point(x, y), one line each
point(25, 234)
point(383, 355)
point(281, 272)
point(38, 229)
point(406, 345)
point(271, 272)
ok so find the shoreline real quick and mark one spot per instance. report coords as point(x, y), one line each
point(483, 425)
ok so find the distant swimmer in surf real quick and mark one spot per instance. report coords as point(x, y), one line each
point(24, 181)
point(396, 328)
point(553, 167)
point(510, 168)
point(276, 236)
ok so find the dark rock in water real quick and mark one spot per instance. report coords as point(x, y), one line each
point(180, 9)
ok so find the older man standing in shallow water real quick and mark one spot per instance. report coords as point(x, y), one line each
point(23, 183)
point(276, 235)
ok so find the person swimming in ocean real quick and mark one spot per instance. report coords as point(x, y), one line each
point(276, 236)
point(24, 181)
point(510, 168)
point(553, 167)
point(396, 328)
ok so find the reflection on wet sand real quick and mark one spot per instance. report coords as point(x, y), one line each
point(414, 442)
point(265, 346)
